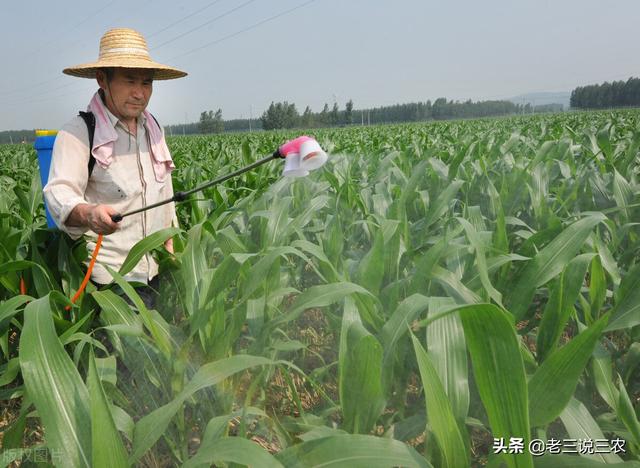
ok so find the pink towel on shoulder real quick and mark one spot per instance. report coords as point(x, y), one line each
point(105, 136)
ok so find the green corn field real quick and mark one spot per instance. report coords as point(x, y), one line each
point(445, 294)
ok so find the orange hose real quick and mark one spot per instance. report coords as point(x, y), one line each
point(88, 275)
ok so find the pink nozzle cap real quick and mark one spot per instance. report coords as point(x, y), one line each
point(293, 146)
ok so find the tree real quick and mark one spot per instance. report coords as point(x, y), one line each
point(269, 117)
point(280, 115)
point(205, 122)
point(210, 122)
point(218, 123)
point(348, 113)
point(439, 108)
point(306, 121)
point(323, 118)
point(291, 116)
point(617, 93)
point(334, 116)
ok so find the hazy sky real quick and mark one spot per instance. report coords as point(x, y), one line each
point(243, 54)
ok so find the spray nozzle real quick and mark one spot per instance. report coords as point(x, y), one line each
point(302, 155)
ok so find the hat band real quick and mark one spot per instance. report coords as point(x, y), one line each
point(126, 50)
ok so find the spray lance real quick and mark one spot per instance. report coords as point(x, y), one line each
point(300, 155)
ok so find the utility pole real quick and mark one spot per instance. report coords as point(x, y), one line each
point(185, 124)
point(250, 117)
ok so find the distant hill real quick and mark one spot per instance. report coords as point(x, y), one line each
point(541, 99)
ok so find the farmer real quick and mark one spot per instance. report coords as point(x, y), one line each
point(132, 167)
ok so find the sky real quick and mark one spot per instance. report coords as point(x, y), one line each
point(243, 54)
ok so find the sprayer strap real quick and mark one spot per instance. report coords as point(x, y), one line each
point(90, 121)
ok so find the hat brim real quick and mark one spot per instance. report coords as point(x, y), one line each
point(161, 72)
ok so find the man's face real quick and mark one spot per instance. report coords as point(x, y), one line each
point(128, 92)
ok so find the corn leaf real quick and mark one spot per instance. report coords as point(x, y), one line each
point(399, 322)
point(356, 451)
point(108, 450)
point(153, 323)
point(553, 384)
point(151, 427)
point(549, 262)
point(361, 392)
point(626, 313)
point(55, 386)
point(440, 415)
point(627, 414)
point(319, 296)
point(481, 261)
point(597, 286)
point(371, 267)
point(232, 450)
point(563, 296)
point(9, 308)
point(499, 374)
point(448, 352)
point(144, 246)
point(441, 204)
point(603, 375)
point(581, 425)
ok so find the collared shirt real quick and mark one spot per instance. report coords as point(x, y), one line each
point(128, 183)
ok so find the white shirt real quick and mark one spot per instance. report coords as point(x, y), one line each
point(128, 183)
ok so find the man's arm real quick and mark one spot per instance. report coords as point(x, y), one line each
point(68, 175)
point(95, 217)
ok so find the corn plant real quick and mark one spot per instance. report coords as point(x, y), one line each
point(436, 288)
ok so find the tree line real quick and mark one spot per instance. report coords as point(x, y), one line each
point(286, 115)
point(606, 95)
point(17, 136)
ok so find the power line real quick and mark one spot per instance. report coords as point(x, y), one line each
point(76, 26)
point(204, 24)
point(183, 19)
point(229, 36)
point(51, 98)
point(43, 93)
point(253, 26)
point(28, 88)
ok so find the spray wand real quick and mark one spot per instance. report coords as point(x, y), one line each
point(300, 155)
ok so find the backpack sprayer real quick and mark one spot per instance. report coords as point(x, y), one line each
point(300, 155)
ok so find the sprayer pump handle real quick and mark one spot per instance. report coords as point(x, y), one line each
point(116, 218)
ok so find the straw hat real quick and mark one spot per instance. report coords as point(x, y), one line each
point(124, 48)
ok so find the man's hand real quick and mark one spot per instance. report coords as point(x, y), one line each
point(168, 244)
point(99, 219)
point(95, 217)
